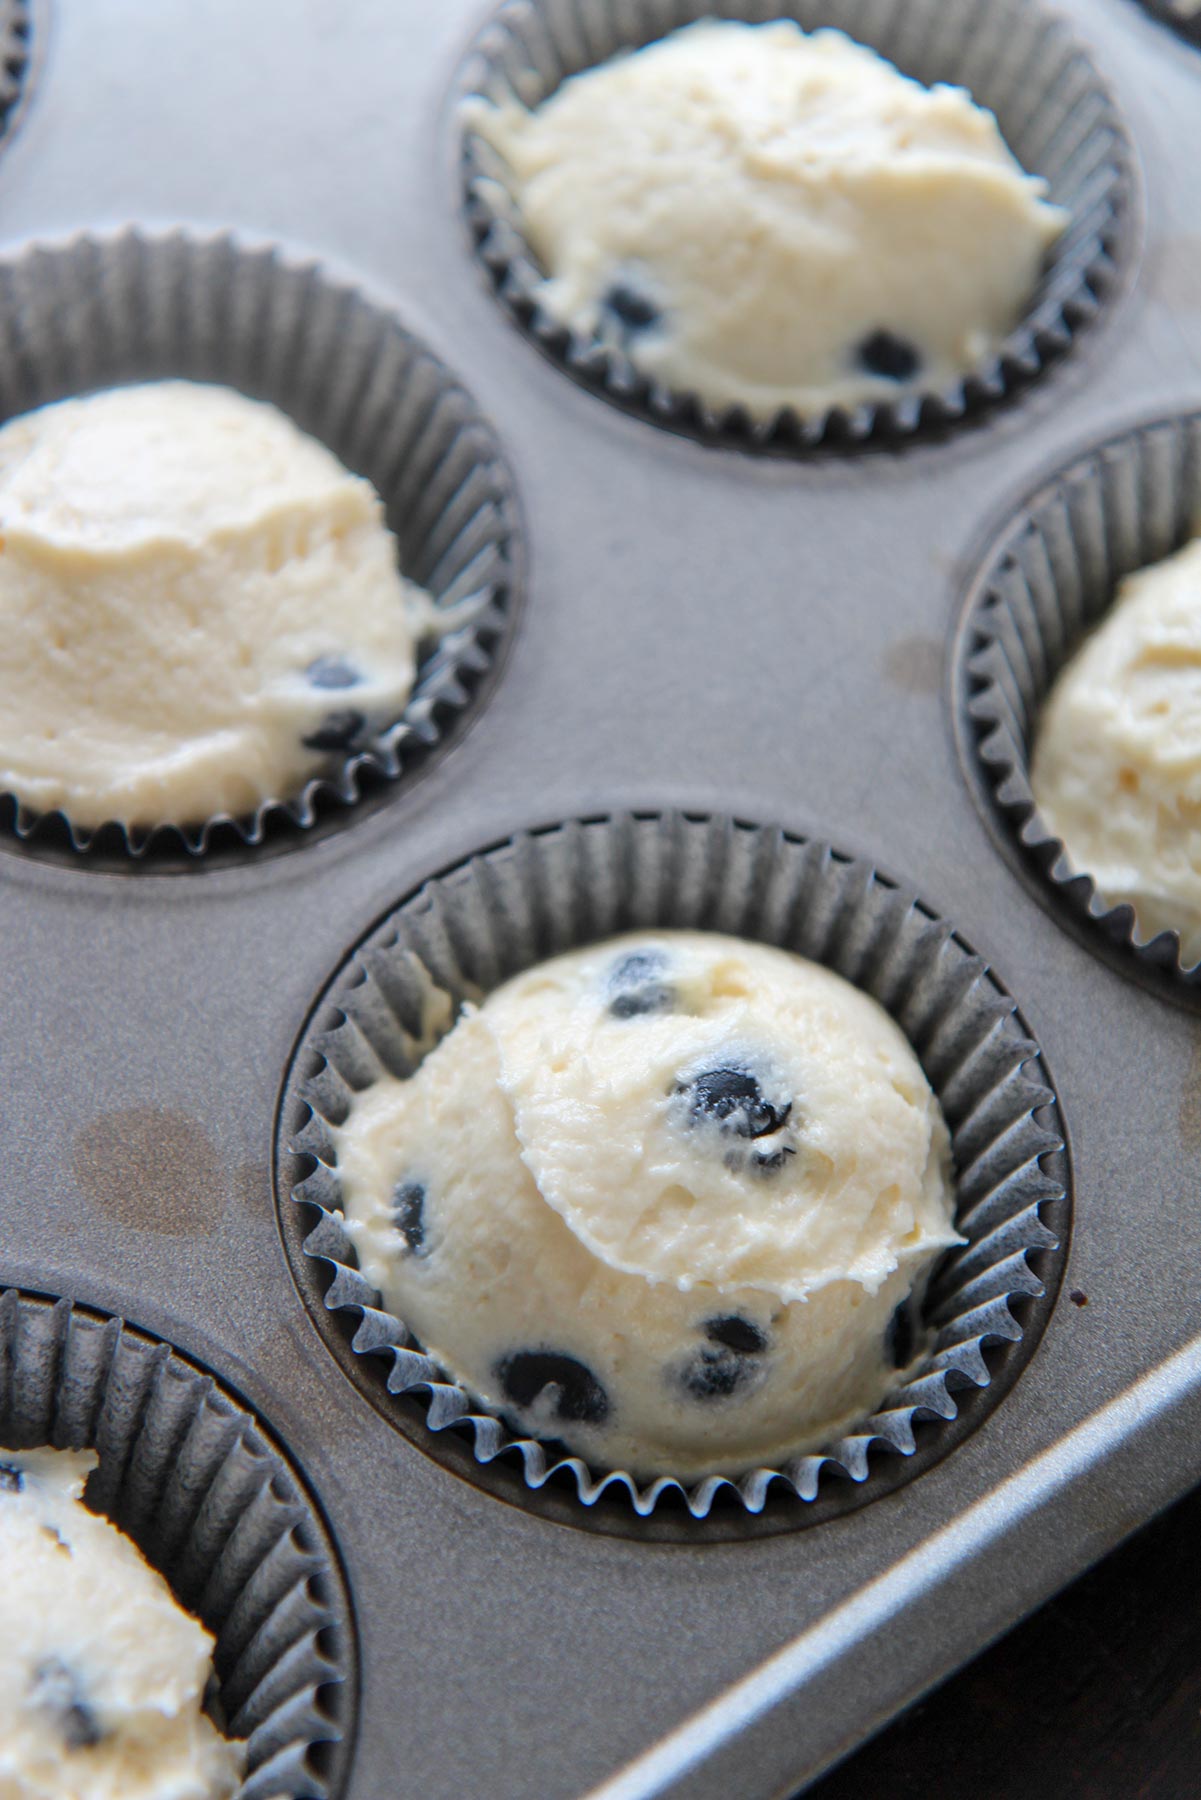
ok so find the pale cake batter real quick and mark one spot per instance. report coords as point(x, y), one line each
point(1116, 770)
point(201, 608)
point(661, 1198)
point(763, 217)
point(102, 1675)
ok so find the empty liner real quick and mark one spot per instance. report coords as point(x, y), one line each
point(1049, 577)
point(1017, 59)
point(545, 892)
point(187, 1474)
point(93, 313)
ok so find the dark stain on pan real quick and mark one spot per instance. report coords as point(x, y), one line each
point(152, 1169)
point(914, 664)
point(1190, 1102)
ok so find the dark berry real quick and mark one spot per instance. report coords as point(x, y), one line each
point(900, 1340)
point(883, 353)
point(767, 1162)
point(733, 1099)
point(632, 309)
point(727, 1362)
point(634, 1003)
point(408, 1214)
point(337, 731)
point(12, 1479)
point(57, 1692)
point(332, 672)
point(736, 1333)
point(636, 985)
point(579, 1397)
point(716, 1373)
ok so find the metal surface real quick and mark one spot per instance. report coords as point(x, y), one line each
point(703, 630)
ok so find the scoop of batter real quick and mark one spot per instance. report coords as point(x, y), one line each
point(661, 1199)
point(1116, 770)
point(756, 215)
point(102, 1676)
point(199, 605)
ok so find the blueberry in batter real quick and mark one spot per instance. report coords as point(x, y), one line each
point(58, 1693)
point(408, 1212)
point(578, 1396)
point(883, 353)
point(337, 731)
point(638, 986)
point(332, 672)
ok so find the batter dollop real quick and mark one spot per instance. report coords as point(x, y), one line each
point(200, 607)
point(1116, 770)
point(102, 1675)
point(670, 1199)
point(760, 216)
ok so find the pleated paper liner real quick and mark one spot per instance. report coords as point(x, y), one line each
point(1185, 15)
point(1049, 576)
point(1015, 57)
point(16, 25)
point(544, 892)
point(95, 312)
point(212, 1504)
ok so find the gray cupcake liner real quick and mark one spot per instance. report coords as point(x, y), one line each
point(1016, 58)
point(187, 1473)
point(1185, 15)
point(16, 26)
point(548, 891)
point(1048, 578)
point(96, 312)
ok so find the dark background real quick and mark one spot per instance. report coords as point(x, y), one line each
point(1098, 1694)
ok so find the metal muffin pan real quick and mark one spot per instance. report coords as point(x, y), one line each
point(703, 630)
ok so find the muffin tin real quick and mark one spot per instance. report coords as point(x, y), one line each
point(704, 633)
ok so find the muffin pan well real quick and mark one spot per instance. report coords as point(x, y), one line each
point(1050, 576)
point(703, 635)
point(95, 312)
point(1017, 58)
point(540, 894)
point(212, 1505)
